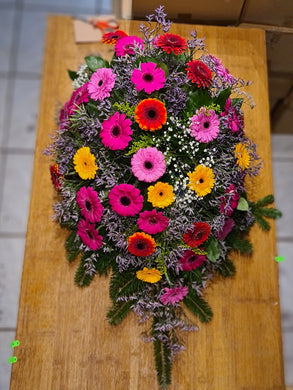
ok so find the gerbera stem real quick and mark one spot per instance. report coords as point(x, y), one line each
point(168, 279)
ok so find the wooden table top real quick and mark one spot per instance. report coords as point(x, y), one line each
point(66, 342)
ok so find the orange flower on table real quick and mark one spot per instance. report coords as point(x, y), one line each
point(149, 275)
point(150, 114)
point(141, 244)
point(161, 194)
point(202, 180)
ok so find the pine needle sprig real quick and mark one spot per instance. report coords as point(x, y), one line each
point(198, 306)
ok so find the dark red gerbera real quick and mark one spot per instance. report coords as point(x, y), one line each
point(112, 37)
point(199, 234)
point(56, 176)
point(191, 260)
point(199, 73)
point(171, 43)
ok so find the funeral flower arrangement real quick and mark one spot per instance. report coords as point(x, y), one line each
point(149, 163)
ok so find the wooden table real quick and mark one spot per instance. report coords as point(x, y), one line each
point(66, 341)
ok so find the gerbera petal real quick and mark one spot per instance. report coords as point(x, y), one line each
point(125, 199)
point(148, 164)
point(141, 244)
point(150, 114)
point(116, 132)
point(84, 163)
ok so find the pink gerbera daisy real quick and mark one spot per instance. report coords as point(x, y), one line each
point(148, 164)
point(89, 204)
point(101, 84)
point(89, 235)
point(173, 295)
point(126, 200)
point(152, 222)
point(116, 132)
point(191, 260)
point(205, 125)
point(148, 77)
point(126, 45)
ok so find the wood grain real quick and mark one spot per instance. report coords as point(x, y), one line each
point(66, 342)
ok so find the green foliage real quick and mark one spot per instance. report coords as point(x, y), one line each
point(198, 306)
point(163, 363)
point(95, 63)
point(118, 312)
point(242, 204)
point(72, 246)
point(125, 108)
point(73, 75)
point(240, 244)
point(104, 263)
point(260, 210)
point(222, 98)
point(227, 268)
point(143, 141)
point(82, 278)
point(198, 99)
point(124, 284)
point(213, 250)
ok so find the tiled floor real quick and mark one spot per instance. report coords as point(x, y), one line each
point(22, 29)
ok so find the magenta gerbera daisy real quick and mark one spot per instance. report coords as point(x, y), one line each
point(101, 84)
point(205, 125)
point(126, 45)
point(191, 260)
point(148, 164)
point(89, 204)
point(126, 200)
point(174, 295)
point(148, 77)
point(152, 222)
point(89, 235)
point(116, 132)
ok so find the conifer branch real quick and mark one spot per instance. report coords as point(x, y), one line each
point(227, 268)
point(163, 363)
point(118, 312)
point(82, 278)
point(198, 306)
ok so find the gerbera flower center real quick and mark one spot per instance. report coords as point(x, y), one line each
point(152, 221)
point(148, 77)
point(88, 205)
point(161, 193)
point(115, 131)
point(100, 83)
point(140, 246)
point(89, 234)
point(125, 201)
point(206, 125)
point(152, 114)
point(191, 259)
point(148, 164)
point(201, 180)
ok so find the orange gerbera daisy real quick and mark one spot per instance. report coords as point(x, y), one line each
point(112, 37)
point(150, 114)
point(141, 244)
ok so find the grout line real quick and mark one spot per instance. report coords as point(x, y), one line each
point(20, 151)
point(284, 239)
point(10, 235)
point(7, 329)
point(20, 75)
point(282, 159)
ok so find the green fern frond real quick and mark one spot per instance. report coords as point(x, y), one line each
point(198, 306)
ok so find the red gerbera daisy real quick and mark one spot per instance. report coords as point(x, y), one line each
point(171, 43)
point(112, 37)
point(55, 176)
point(150, 114)
point(141, 244)
point(199, 73)
point(199, 234)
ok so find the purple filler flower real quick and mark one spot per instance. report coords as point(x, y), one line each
point(101, 84)
point(173, 295)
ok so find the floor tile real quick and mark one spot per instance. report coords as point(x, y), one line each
point(16, 193)
point(12, 252)
point(283, 190)
point(3, 90)
point(288, 357)
point(22, 129)
point(282, 146)
point(6, 31)
point(285, 249)
point(31, 42)
point(6, 352)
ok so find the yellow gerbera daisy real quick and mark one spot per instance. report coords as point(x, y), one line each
point(161, 194)
point(149, 275)
point(84, 163)
point(242, 155)
point(202, 180)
